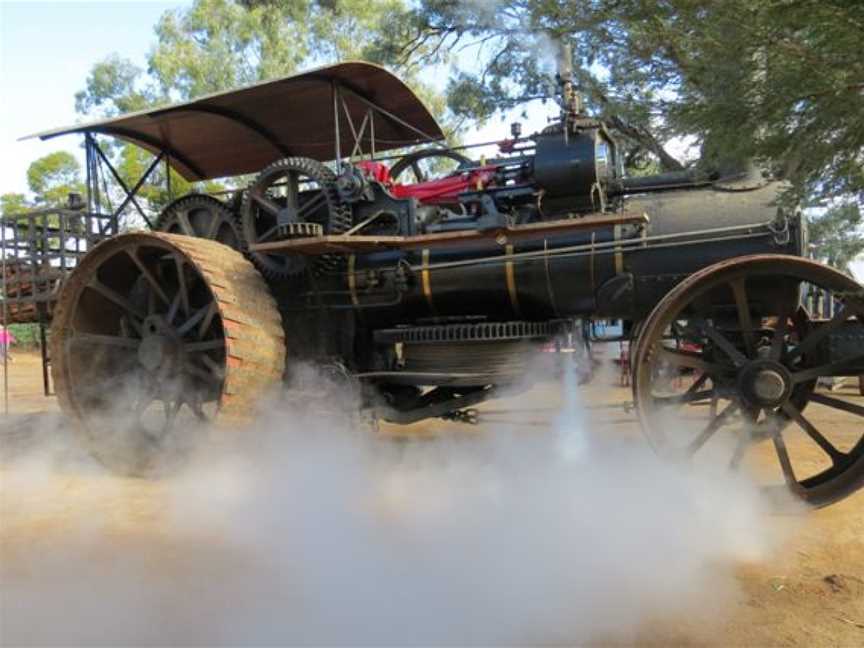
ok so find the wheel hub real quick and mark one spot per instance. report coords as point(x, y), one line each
point(160, 348)
point(765, 383)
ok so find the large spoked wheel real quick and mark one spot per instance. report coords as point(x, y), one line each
point(427, 164)
point(156, 336)
point(729, 360)
point(201, 216)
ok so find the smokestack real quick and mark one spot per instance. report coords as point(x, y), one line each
point(571, 103)
point(564, 61)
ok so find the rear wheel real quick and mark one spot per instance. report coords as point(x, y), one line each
point(155, 337)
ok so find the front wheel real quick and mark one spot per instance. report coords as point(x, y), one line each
point(728, 362)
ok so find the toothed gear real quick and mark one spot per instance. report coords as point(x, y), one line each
point(301, 230)
point(202, 216)
point(268, 197)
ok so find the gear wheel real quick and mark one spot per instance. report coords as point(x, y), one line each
point(201, 216)
point(289, 191)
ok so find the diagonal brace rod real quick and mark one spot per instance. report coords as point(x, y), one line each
point(130, 195)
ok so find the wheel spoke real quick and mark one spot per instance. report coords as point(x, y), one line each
point(268, 206)
point(197, 408)
point(785, 461)
point(118, 299)
point(688, 359)
point(315, 202)
point(215, 222)
point(836, 403)
point(270, 232)
point(715, 424)
point(106, 340)
point(172, 310)
point(208, 319)
point(796, 415)
point(722, 342)
point(292, 188)
point(198, 316)
point(819, 334)
point(739, 290)
point(145, 272)
point(683, 399)
point(185, 224)
point(198, 372)
point(208, 345)
point(739, 452)
point(693, 393)
point(151, 303)
point(213, 366)
point(779, 339)
point(182, 287)
point(830, 369)
point(171, 410)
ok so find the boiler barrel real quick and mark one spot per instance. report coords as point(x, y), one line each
point(616, 272)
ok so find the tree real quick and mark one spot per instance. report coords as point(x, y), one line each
point(778, 80)
point(837, 236)
point(13, 203)
point(53, 177)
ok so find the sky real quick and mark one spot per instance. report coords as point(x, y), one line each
point(47, 50)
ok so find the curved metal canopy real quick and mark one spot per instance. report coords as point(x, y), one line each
point(242, 131)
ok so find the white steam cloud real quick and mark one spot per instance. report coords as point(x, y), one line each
point(308, 529)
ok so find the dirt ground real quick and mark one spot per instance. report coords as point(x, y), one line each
point(810, 593)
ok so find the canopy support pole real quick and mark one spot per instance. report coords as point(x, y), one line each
point(5, 324)
point(335, 90)
point(168, 176)
point(371, 114)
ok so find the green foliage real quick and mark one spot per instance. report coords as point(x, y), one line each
point(216, 45)
point(52, 177)
point(13, 203)
point(837, 236)
point(777, 80)
point(112, 87)
point(26, 336)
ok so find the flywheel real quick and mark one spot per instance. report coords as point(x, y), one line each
point(156, 337)
point(283, 195)
point(201, 216)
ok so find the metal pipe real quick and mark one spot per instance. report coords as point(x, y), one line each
point(5, 324)
point(596, 248)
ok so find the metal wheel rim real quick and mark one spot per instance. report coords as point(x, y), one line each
point(412, 161)
point(846, 472)
point(145, 348)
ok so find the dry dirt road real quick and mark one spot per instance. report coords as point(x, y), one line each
point(809, 592)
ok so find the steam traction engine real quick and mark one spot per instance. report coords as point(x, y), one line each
point(434, 292)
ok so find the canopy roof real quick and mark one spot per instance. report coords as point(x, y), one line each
point(242, 131)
